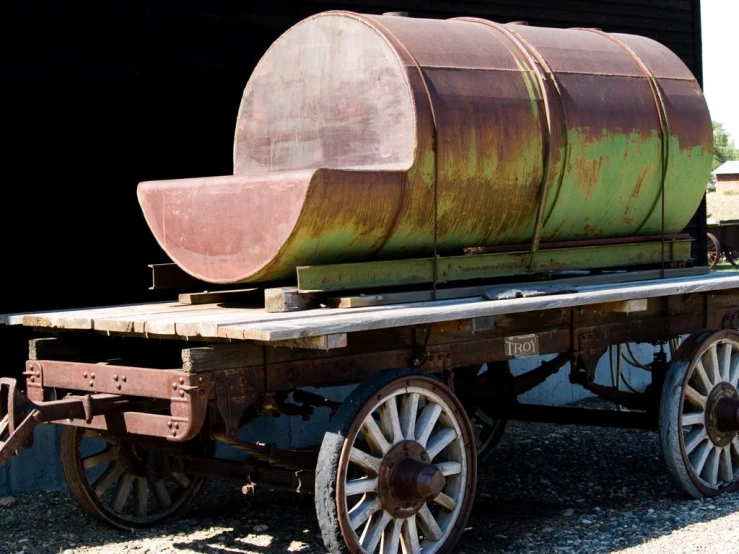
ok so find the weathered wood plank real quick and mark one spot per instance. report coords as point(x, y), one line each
point(431, 312)
point(619, 306)
point(83, 318)
point(288, 299)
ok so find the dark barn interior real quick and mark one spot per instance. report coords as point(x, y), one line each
point(96, 97)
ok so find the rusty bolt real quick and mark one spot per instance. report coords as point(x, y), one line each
point(169, 424)
point(176, 425)
point(91, 382)
point(118, 386)
point(38, 374)
point(182, 380)
point(84, 374)
point(200, 379)
point(92, 375)
point(115, 377)
point(182, 393)
point(174, 386)
point(174, 432)
point(123, 378)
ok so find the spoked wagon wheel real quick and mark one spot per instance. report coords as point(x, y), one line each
point(128, 482)
point(714, 250)
point(699, 415)
point(397, 468)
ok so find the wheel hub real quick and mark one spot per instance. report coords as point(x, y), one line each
point(407, 480)
point(722, 414)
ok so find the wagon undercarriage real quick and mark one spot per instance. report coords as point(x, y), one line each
point(142, 412)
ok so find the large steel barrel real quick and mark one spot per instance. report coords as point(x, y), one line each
point(363, 137)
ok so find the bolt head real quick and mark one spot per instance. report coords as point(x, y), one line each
point(169, 424)
point(174, 386)
point(84, 374)
point(124, 378)
point(182, 393)
point(118, 386)
point(91, 382)
point(182, 380)
point(92, 375)
point(115, 377)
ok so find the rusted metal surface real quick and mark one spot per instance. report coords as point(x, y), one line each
point(186, 396)
point(378, 137)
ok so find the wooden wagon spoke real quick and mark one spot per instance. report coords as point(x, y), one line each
point(161, 494)
point(428, 524)
point(693, 418)
point(181, 479)
point(374, 436)
point(485, 418)
point(122, 491)
point(373, 533)
point(140, 495)
point(440, 441)
point(445, 501)
point(363, 511)
point(694, 438)
point(712, 465)
point(361, 486)
point(695, 398)
point(410, 537)
point(390, 420)
point(734, 371)
point(725, 362)
point(408, 413)
point(107, 455)
point(103, 482)
point(449, 468)
point(726, 468)
point(701, 455)
point(710, 359)
point(426, 422)
point(700, 373)
point(391, 539)
point(364, 460)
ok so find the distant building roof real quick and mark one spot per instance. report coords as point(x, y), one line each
point(728, 168)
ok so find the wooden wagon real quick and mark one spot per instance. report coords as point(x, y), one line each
point(144, 392)
point(723, 241)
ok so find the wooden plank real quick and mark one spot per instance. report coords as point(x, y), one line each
point(384, 299)
point(320, 342)
point(288, 299)
point(216, 297)
point(82, 318)
point(432, 312)
point(619, 306)
point(160, 322)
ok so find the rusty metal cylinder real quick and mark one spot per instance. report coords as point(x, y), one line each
point(363, 137)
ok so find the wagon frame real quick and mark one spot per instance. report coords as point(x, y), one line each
point(161, 383)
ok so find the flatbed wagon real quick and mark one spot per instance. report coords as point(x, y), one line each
point(144, 392)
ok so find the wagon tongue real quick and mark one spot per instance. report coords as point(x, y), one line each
point(19, 416)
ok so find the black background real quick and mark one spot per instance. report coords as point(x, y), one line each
point(98, 96)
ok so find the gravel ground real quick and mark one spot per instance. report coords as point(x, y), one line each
point(549, 489)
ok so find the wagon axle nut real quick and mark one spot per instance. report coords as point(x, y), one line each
point(414, 481)
point(727, 415)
